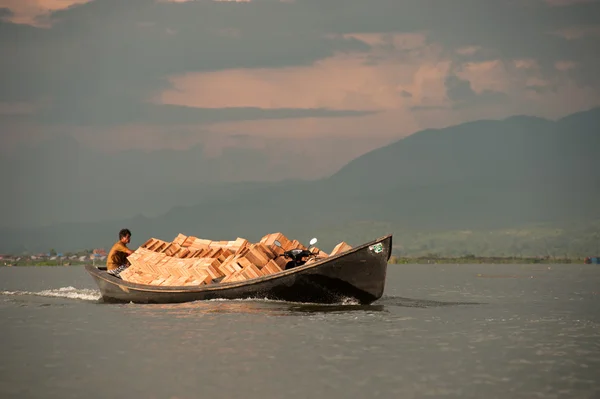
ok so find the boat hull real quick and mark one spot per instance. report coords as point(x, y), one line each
point(357, 275)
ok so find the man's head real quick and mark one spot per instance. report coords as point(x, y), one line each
point(125, 236)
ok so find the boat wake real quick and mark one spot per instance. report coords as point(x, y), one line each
point(63, 292)
point(418, 303)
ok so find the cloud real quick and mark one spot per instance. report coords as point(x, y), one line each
point(17, 108)
point(5, 13)
point(461, 94)
point(565, 65)
point(458, 89)
point(34, 12)
point(119, 53)
point(579, 32)
point(468, 50)
point(400, 70)
point(340, 82)
point(344, 67)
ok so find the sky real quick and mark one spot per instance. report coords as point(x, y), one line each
point(318, 75)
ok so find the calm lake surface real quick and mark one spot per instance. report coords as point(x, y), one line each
point(440, 331)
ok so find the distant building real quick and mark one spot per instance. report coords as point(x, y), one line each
point(99, 252)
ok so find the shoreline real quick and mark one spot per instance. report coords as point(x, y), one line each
point(43, 264)
point(492, 260)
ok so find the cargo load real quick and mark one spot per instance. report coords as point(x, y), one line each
point(192, 261)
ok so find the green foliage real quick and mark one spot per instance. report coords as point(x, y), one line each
point(46, 263)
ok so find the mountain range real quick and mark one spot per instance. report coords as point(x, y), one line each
point(480, 175)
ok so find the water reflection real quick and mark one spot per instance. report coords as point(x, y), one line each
point(277, 308)
point(247, 307)
point(315, 308)
point(420, 303)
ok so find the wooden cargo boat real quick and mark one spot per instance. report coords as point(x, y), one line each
point(357, 274)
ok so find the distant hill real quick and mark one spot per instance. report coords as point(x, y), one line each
point(480, 175)
point(483, 174)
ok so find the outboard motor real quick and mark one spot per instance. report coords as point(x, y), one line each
point(297, 255)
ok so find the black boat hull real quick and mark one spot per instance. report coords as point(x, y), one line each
point(357, 275)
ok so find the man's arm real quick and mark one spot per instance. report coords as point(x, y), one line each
point(124, 248)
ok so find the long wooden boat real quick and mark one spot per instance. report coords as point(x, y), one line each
point(356, 275)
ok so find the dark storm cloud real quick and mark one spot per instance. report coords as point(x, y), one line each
point(5, 13)
point(462, 95)
point(112, 55)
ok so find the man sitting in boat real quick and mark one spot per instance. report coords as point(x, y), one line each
point(117, 261)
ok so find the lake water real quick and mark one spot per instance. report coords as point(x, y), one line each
point(440, 331)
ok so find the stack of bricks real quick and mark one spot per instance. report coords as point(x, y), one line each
point(189, 260)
